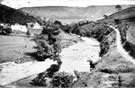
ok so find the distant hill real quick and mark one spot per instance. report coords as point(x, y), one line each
point(10, 15)
point(65, 13)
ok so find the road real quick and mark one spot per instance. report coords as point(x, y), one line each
point(120, 47)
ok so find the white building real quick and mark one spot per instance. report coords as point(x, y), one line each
point(19, 28)
point(34, 26)
point(37, 26)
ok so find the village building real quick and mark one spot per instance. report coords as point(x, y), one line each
point(34, 28)
point(18, 27)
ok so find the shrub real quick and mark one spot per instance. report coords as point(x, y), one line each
point(48, 42)
point(62, 80)
point(44, 49)
point(40, 80)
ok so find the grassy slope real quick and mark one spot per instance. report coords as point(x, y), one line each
point(10, 15)
point(128, 16)
point(15, 47)
point(123, 14)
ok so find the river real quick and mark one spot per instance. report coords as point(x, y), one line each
point(73, 58)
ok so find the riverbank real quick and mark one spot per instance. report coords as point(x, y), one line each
point(72, 57)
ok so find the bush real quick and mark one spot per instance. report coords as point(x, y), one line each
point(48, 42)
point(28, 33)
point(129, 47)
point(44, 49)
point(40, 80)
point(62, 80)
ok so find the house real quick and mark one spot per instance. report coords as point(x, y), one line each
point(34, 26)
point(18, 27)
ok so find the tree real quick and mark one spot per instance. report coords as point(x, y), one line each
point(117, 21)
point(118, 7)
point(28, 33)
point(105, 16)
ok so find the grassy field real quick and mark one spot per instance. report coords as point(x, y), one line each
point(15, 47)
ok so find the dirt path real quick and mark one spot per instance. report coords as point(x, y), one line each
point(119, 46)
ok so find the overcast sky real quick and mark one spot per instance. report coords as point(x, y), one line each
point(79, 3)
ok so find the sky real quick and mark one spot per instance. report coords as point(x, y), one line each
point(78, 3)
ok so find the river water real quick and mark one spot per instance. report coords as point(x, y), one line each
point(76, 56)
point(73, 58)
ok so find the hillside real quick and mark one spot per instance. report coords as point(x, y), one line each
point(64, 13)
point(128, 16)
point(10, 15)
point(128, 13)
